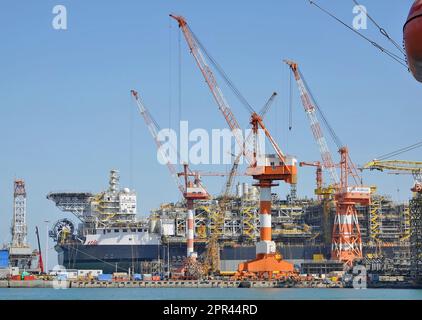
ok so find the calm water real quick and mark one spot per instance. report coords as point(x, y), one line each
point(208, 294)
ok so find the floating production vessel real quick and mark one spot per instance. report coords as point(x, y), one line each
point(111, 237)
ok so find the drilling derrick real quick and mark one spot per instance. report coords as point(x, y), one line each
point(19, 250)
point(19, 228)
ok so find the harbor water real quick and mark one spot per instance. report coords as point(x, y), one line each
point(209, 294)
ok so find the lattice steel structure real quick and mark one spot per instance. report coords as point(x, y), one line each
point(19, 227)
point(375, 212)
point(77, 203)
point(416, 237)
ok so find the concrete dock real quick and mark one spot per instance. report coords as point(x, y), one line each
point(162, 284)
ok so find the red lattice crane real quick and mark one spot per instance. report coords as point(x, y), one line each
point(40, 260)
point(266, 169)
point(346, 242)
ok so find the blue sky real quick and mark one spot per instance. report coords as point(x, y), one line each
point(66, 116)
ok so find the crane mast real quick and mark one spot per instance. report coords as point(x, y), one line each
point(213, 85)
point(310, 109)
point(40, 260)
point(154, 129)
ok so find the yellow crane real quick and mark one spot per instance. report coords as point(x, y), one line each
point(413, 168)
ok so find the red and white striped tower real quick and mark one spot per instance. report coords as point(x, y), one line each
point(190, 229)
point(265, 245)
point(346, 242)
point(346, 239)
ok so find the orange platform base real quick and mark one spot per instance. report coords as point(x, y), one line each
point(269, 265)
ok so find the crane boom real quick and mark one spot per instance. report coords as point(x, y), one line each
point(310, 109)
point(154, 129)
point(40, 260)
point(399, 166)
point(233, 171)
point(213, 85)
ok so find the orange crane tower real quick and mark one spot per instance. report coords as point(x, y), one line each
point(272, 168)
point(346, 241)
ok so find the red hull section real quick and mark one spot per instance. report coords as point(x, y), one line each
point(413, 39)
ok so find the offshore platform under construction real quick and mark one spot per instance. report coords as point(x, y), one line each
point(349, 222)
point(252, 233)
point(350, 218)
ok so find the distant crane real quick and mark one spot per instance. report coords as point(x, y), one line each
point(319, 181)
point(40, 261)
point(346, 244)
point(270, 168)
point(413, 168)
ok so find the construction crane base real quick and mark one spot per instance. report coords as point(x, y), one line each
point(265, 266)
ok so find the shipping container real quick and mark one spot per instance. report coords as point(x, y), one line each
point(62, 277)
point(147, 277)
point(89, 273)
point(4, 259)
point(137, 277)
point(374, 277)
point(105, 277)
point(120, 275)
point(384, 278)
point(318, 257)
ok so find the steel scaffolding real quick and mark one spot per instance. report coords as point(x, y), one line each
point(416, 237)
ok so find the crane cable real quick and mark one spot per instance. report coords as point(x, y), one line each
point(400, 151)
point(223, 74)
point(352, 168)
point(382, 31)
point(170, 84)
point(290, 101)
point(392, 55)
point(333, 134)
